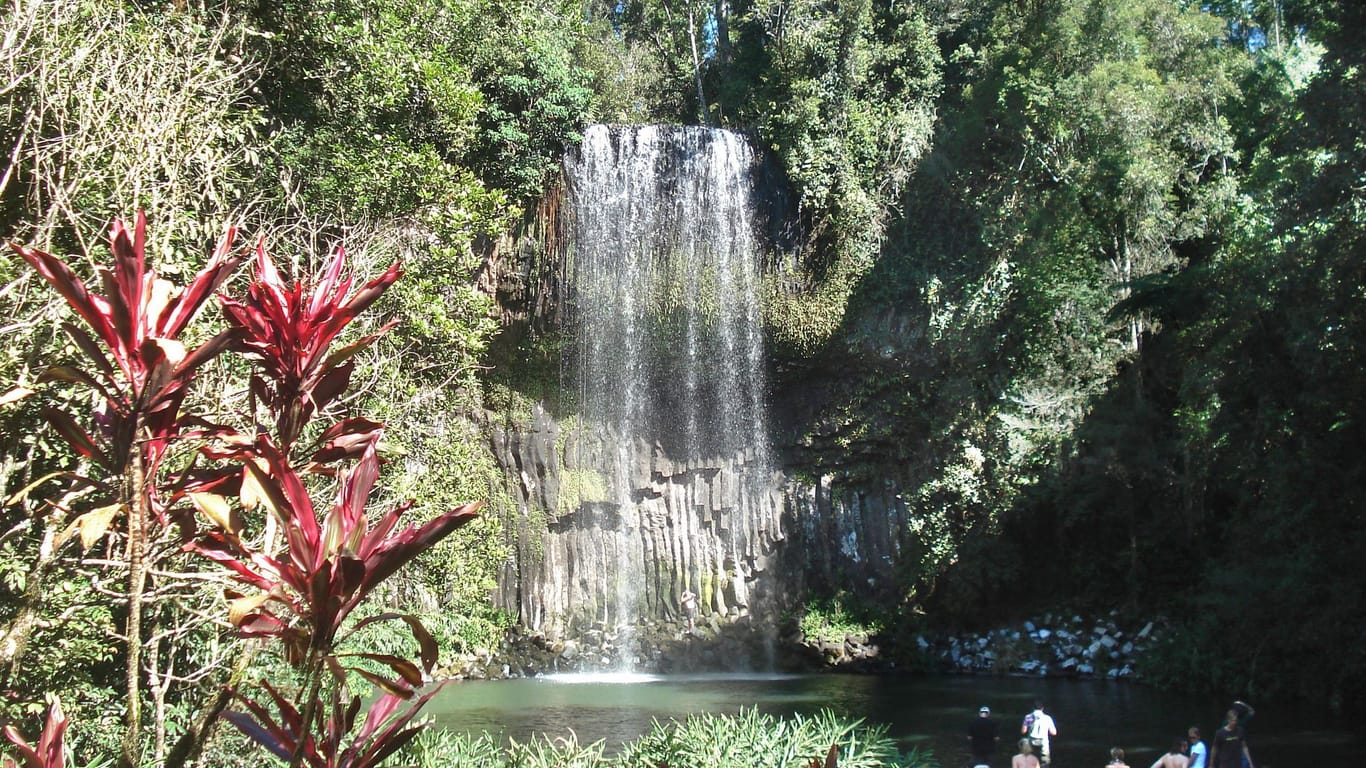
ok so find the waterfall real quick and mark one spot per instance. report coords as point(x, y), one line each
point(669, 467)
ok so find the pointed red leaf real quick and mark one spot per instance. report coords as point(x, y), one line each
point(347, 352)
point(202, 354)
point(325, 292)
point(91, 308)
point(392, 687)
point(402, 547)
point(51, 750)
point(332, 384)
point(221, 265)
point(91, 349)
point(427, 647)
point(75, 436)
point(74, 375)
point(346, 439)
point(355, 489)
point(342, 315)
point(394, 733)
point(405, 669)
point(261, 734)
point(126, 293)
point(126, 333)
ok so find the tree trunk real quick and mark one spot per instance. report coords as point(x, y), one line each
point(697, 70)
point(15, 638)
point(721, 9)
point(135, 551)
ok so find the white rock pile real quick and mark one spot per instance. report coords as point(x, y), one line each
point(1051, 646)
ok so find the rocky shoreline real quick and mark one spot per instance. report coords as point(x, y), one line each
point(1052, 645)
point(1049, 646)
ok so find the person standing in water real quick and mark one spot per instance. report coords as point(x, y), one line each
point(689, 604)
point(1198, 754)
point(1039, 728)
point(983, 736)
point(1230, 745)
point(1174, 757)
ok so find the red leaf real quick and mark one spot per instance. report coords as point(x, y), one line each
point(348, 351)
point(333, 383)
point(405, 669)
point(203, 353)
point(346, 439)
point(126, 337)
point(51, 750)
point(355, 489)
point(260, 734)
point(393, 734)
point(357, 426)
point(73, 375)
point(426, 644)
point(126, 294)
point(265, 730)
point(391, 687)
point(221, 265)
point(92, 309)
point(75, 436)
point(222, 549)
point(398, 550)
point(90, 348)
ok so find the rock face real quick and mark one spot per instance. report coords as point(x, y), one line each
point(583, 561)
point(688, 529)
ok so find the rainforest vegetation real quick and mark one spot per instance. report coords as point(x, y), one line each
point(1087, 279)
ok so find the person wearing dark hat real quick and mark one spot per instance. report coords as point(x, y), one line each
point(983, 735)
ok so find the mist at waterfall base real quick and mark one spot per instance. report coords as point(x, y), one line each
point(933, 713)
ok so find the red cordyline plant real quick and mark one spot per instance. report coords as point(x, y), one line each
point(142, 372)
point(333, 560)
point(328, 567)
point(304, 596)
point(50, 751)
point(329, 564)
point(289, 330)
point(139, 366)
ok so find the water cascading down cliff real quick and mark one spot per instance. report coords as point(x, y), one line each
point(665, 480)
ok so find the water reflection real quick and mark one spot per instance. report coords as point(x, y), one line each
point(1092, 716)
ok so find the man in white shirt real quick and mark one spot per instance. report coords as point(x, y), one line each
point(1039, 727)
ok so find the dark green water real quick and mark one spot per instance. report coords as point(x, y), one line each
point(1092, 716)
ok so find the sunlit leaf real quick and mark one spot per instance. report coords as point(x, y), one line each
point(240, 608)
point(51, 749)
point(217, 509)
point(75, 436)
point(14, 395)
point(95, 523)
point(392, 687)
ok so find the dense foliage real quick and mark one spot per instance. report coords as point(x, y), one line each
point(1128, 287)
point(411, 133)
